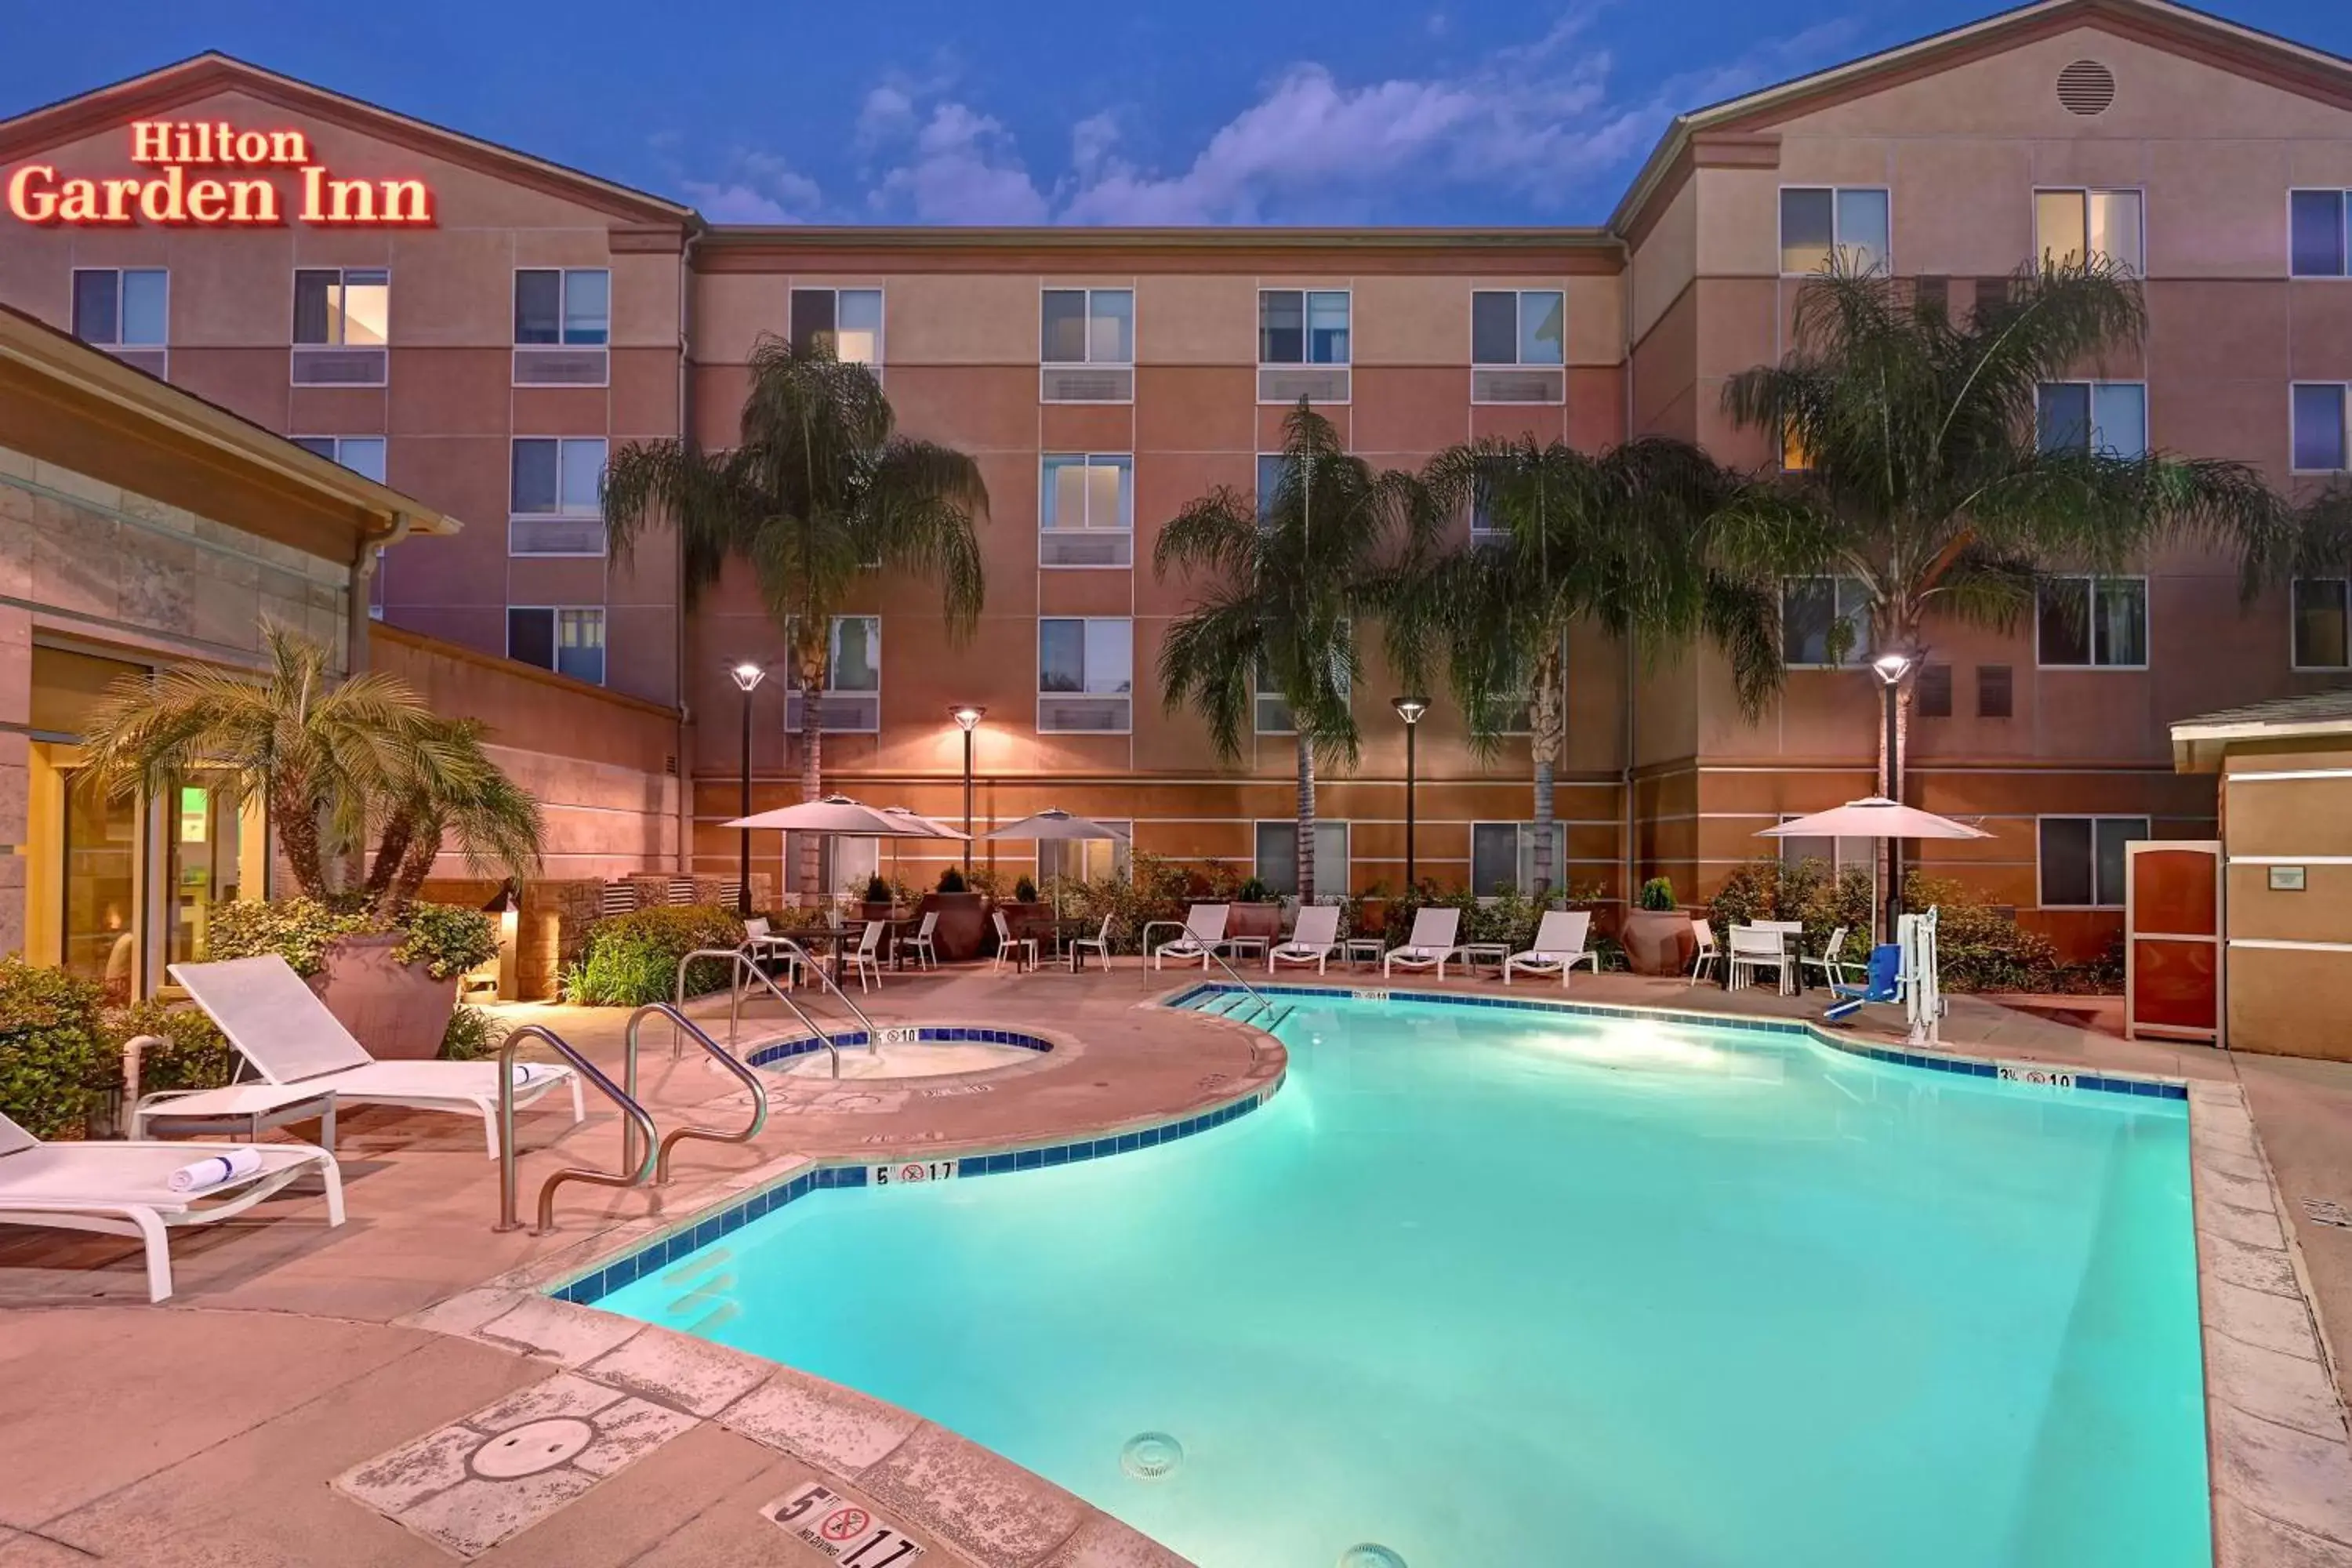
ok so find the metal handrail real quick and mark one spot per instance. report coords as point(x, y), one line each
point(684, 1026)
point(634, 1118)
point(1261, 1003)
point(809, 964)
point(743, 962)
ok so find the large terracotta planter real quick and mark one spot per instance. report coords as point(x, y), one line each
point(398, 1011)
point(963, 924)
point(1253, 919)
point(1658, 942)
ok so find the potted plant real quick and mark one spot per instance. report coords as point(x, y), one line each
point(1657, 935)
point(1254, 912)
point(963, 918)
point(878, 903)
point(392, 985)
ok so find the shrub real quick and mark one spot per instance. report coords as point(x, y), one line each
point(1253, 891)
point(1025, 891)
point(54, 1068)
point(1809, 892)
point(1658, 895)
point(296, 930)
point(1978, 946)
point(448, 939)
point(632, 959)
point(472, 1035)
point(194, 1055)
point(878, 891)
point(952, 881)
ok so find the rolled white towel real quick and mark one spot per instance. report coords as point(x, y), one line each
point(212, 1171)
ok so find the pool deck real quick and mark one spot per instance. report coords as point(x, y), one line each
point(305, 1395)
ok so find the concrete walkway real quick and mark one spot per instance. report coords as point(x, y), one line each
point(208, 1430)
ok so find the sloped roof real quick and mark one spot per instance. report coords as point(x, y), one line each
point(158, 92)
point(2198, 744)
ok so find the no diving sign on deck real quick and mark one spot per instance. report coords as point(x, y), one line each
point(846, 1532)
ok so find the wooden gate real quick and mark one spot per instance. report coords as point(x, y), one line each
point(2173, 948)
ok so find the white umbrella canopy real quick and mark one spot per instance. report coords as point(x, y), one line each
point(1057, 824)
point(1874, 818)
point(922, 826)
point(834, 814)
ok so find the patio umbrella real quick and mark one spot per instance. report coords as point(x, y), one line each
point(1055, 824)
point(1875, 816)
point(924, 826)
point(837, 815)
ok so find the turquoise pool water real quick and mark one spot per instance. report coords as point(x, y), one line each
point(1503, 1288)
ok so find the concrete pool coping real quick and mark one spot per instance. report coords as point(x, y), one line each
point(2279, 1459)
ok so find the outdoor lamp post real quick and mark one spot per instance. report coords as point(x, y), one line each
point(748, 677)
point(967, 718)
point(1891, 666)
point(1410, 710)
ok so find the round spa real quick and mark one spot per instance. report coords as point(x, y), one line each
point(904, 1052)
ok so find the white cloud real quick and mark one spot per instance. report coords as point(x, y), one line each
point(961, 166)
point(758, 187)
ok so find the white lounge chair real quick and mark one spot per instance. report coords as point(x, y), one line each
point(1835, 969)
point(1704, 931)
point(1313, 940)
point(1098, 943)
point(920, 944)
point(866, 957)
point(1204, 933)
point(1023, 948)
point(1559, 947)
point(1430, 945)
point(124, 1189)
point(279, 1025)
point(1754, 948)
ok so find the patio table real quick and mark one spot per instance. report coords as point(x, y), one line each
point(1475, 953)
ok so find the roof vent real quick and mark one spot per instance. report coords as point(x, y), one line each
point(2087, 87)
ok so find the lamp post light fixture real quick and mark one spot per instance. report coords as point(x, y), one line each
point(748, 677)
point(1890, 668)
point(1410, 710)
point(967, 718)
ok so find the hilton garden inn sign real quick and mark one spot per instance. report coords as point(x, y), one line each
point(208, 173)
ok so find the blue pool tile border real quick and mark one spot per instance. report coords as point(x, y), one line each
point(1960, 1066)
point(925, 1034)
point(703, 1229)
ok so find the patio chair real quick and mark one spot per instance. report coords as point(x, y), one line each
point(1313, 940)
point(1430, 945)
point(1098, 943)
point(866, 957)
point(1707, 954)
point(279, 1025)
point(1006, 943)
point(762, 944)
point(1754, 948)
point(920, 944)
point(1559, 947)
point(1204, 932)
point(127, 1188)
point(1835, 969)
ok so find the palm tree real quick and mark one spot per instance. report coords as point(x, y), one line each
point(1286, 578)
point(450, 785)
point(1924, 477)
point(1616, 539)
point(819, 493)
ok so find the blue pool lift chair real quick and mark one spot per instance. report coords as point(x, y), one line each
point(1884, 985)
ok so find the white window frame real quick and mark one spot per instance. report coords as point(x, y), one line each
point(1859, 654)
point(833, 658)
point(2146, 416)
point(1518, 325)
point(2294, 662)
point(1127, 508)
point(1121, 851)
point(2343, 195)
point(342, 276)
point(513, 516)
point(2086, 193)
point(555, 639)
point(1865, 855)
point(73, 295)
point(1089, 290)
point(881, 315)
point(1306, 327)
point(562, 305)
point(1837, 237)
point(2345, 387)
point(1324, 894)
point(2089, 580)
point(1523, 855)
point(2147, 832)
point(336, 455)
point(1128, 692)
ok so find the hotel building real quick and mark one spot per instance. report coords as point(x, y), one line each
point(479, 329)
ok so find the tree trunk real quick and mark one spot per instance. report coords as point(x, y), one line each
point(812, 668)
point(292, 815)
point(1306, 822)
point(416, 866)
point(1550, 723)
point(391, 849)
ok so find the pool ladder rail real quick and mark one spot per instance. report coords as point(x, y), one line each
point(645, 1151)
point(1226, 1006)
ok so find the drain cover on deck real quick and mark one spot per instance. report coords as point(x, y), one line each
point(529, 1448)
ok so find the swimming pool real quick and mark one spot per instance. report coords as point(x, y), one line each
point(1512, 1287)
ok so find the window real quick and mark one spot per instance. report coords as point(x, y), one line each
point(2316, 246)
point(2069, 226)
point(1277, 861)
point(1086, 505)
point(1517, 326)
point(1302, 326)
point(2320, 443)
point(2109, 417)
point(557, 477)
point(121, 309)
point(1503, 856)
point(1840, 855)
point(571, 306)
point(1086, 672)
point(348, 306)
point(569, 642)
point(1824, 620)
point(1849, 223)
point(1087, 326)
point(849, 320)
point(1272, 468)
point(2083, 860)
point(1086, 860)
point(2092, 621)
point(1996, 689)
point(2321, 620)
point(360, 454)
point(853, 679)
point(1933, 695)
point(1272, 714)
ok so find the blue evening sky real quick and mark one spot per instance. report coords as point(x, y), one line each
point(1174, 111)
